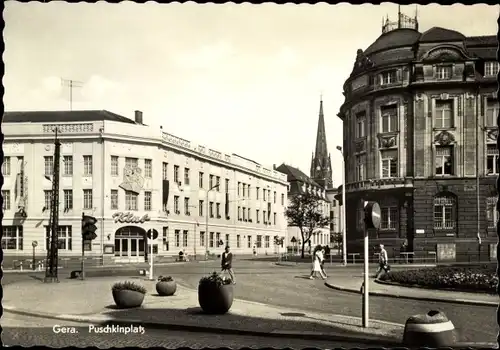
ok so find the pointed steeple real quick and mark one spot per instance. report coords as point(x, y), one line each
point(321, 171)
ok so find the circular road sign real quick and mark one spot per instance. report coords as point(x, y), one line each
point(34, 244)
point(152, 234)
point(372, 215)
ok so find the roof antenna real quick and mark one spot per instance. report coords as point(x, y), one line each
point(399, 16)
point(71, 84)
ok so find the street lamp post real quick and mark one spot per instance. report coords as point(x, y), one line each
point(206, 218)
point(344, 235)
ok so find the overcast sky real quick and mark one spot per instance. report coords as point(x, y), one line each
point(243, 79)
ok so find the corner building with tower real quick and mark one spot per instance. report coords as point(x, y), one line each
point(420, 134)
point(132, 178)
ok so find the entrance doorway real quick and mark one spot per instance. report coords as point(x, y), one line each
point(129, 244)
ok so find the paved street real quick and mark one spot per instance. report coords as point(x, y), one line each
point(286, 286)
point(29, 331)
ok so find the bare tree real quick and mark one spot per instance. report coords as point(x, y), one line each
point(303, 212)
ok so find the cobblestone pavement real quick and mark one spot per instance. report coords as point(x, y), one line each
point(29, 331)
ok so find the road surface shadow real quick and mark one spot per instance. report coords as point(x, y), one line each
point(306, 277)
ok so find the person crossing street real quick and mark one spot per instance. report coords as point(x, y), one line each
point(227, 263)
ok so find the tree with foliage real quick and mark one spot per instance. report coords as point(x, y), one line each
point(304, 213)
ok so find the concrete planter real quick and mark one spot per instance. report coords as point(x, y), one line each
point(166, 289)
point(126, 299)
point(215, 299)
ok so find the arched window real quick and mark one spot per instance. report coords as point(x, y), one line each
point(491, 211)
point(445, 210)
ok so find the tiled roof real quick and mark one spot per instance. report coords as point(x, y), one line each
point(294, 174)
point(62, 116)
point(396, 55)
point(436, 34)
point(487, 53)
point(394, 38)
point(484, 40)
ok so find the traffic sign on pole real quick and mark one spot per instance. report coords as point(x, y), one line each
point(152, 234)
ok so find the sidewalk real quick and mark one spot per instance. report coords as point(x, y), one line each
point(91, 301)
point(353, 284)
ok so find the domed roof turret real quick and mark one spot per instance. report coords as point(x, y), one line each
point(395, 38)
point(437, 34)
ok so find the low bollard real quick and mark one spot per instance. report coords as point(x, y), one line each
point(432, 329)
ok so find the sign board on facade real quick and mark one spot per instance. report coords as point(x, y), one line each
point(420, 231)
point(152, 234)
point(128, 217)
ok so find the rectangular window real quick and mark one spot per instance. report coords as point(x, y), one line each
point(202, 238)
point(360, 124)
point(114, 165)
point(68, 166)
point(249, 215)
point(165, 238)
point(274, 218)
point(227, 240)
point(148, 168)
point(259, 241)
point(248, 192)
point(257, 217)
point(491, 212)
point(443, 114)
point(217, 239)
point(210, 181)
point(282, 199)
point(389, 77)
point(131, 200)
point(244, 186)
point(131, 162)
point(68, 199)
point(444, 213)
point(87, 166)
point(49, 165)
point(176, 205)
point(249, 241)
point(6, 199)
point(274, 200)
point(267, 242)
point(264, 217)
point(186, 176)
point(164, 171)
point(200, 207)
point(444, 160)
point(87, 199)
point(443, 72)
point(147, 201)
point(64, 235)
point(200, 179)
point(185, 238)
point(239, 188)
point(491, 160)
point(264, 193)
point(491, 68)
point(360, 168)
point(217, 183)
point(177, 238)
point(239, 213)
point(12, 238)
point(492, 108)
point(6, 167)
point(238, 241)
point(217, 210)
point(211, 209)
point(186, 207)
point(47, 194)
point(176, 174)
point(114, 199)
point(211, 243)
point(389, 118)
point(257, 189)
point(389, 161)
point(388, 218)
point(227, 185)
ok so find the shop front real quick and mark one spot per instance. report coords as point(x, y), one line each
point(130, 244)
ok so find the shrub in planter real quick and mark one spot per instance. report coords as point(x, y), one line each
point(215, 294)
point(128, 294)
point(166, 286)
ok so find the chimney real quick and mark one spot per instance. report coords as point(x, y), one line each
point(138, 117)
point(274, 166)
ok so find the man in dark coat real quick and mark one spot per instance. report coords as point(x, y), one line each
point(227, 263)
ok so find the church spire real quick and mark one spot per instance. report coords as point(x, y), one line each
point(321, 165)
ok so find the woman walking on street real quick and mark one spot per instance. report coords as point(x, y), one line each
point(317, 260)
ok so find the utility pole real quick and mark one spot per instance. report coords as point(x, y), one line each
point(478, 203)
point(52, 256)
point(71, 84)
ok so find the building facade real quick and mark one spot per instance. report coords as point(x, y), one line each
point(132, 178)
point(420, 138)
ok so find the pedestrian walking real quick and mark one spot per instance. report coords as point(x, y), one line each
point(383, 261)
point(316, 266)
point(227, 263)
point(323, 253)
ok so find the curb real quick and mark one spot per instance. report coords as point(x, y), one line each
point(443, 300)
point(362, 338)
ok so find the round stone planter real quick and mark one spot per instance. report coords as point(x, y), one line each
point(215, 299)
point(126, 299)
point(166, 289)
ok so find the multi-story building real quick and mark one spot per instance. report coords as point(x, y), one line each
point(419, 136)
point(132, 178)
